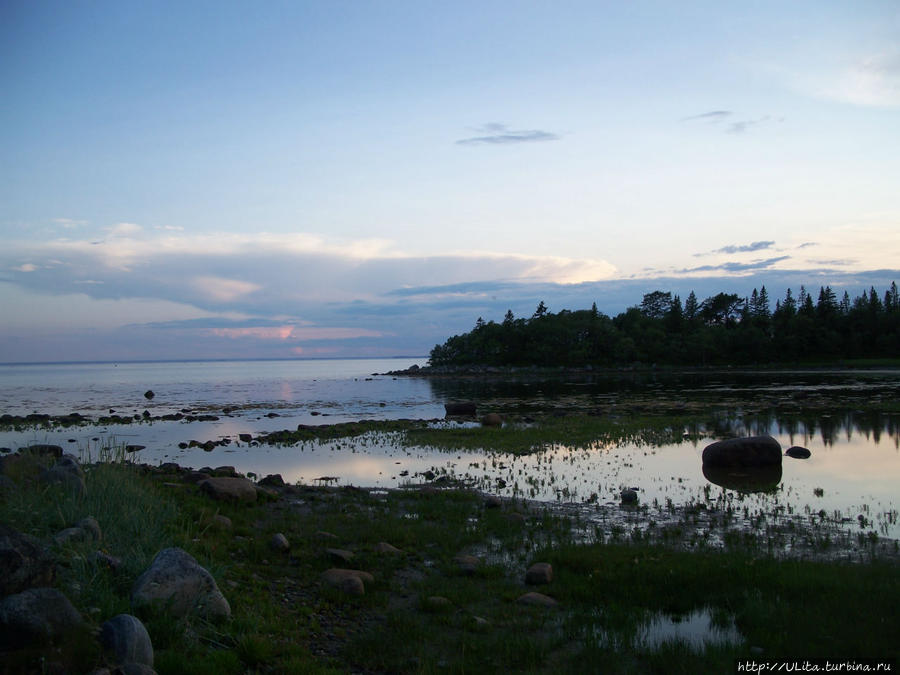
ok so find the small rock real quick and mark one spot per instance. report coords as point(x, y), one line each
point(539, 573)
point(149, 394)
point(279, 542)
point(102, 559)
point(629, 496)
point(91, 526)
point(339, 554)
point(134, 448)
point(437, 603)
point(538, 599)
point(798, 452)
point(321, 534)
point(272, 480)
point(245, 438)
point(468, 564)
point(229, 489)
point(127, 640)
point(492, 420)
point(351, 582)
point(492, 502)
point(384, 547)
point(69, 535)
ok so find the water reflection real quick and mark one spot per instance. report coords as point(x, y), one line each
point(758, 479)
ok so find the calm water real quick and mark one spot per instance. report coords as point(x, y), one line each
point(854, 469)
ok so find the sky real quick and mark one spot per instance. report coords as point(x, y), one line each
point(342, 178)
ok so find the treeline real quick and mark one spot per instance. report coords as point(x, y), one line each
point(722, 329)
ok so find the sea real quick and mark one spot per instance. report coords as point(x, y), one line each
point(852, 477)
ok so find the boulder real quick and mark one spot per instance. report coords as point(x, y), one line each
point(384, 547)
point(798, 452)
point(176, 582)
point(539, 574)
point(55, 451)
point(492, 420)
point(36, 615)
point(351, 582)
point(229, 489)
point(149, 394)
point(66, 472)
point(460, 408)
point(91, 526)
point(24, 562)
point(279, 542)
point(629, 496)
point(467, 564)
point(538, 599)
point(126, 639)
point(339, 555)
point(751, 451)
point(272, 480)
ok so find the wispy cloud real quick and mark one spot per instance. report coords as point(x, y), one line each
point(739, 248)
point(735, 267)
point(712, 116)
point(728, 119)
point(495, 133)
point(873, 80)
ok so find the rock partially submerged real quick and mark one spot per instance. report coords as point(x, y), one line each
point(751, 451)
point(798, 452)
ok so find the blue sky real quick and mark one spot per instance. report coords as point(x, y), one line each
point(232, 179)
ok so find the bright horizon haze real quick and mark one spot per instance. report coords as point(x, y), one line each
point(346, 179)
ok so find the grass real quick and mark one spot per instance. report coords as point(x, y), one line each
point(285, 621)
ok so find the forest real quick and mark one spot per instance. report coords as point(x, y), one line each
point(724, 329)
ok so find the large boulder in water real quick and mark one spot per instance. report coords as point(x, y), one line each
point(751, 451)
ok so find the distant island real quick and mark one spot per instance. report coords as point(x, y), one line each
point(724, 329)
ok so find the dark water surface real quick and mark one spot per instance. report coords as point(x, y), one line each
point(844, 417)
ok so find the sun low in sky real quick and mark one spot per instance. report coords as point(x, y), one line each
point(279, 179)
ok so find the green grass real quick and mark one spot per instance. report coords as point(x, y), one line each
point(285, 621)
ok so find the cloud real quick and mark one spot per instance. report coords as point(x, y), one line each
point(872, 80)
point(735, 267)
point(268, 275)
point(736, 248)
point(27, 267)
point(500, 134)
point(223, 290)
point(744, 125)
point(716, 117)
point(712, 116)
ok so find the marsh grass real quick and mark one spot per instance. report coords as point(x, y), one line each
point(285, 621)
